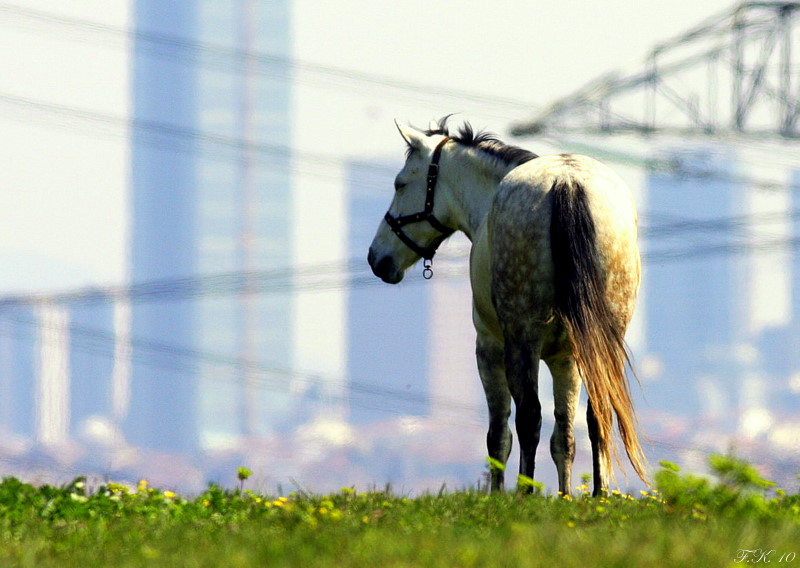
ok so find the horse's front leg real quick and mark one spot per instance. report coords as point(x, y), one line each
point(566, 391)
point(489, 352)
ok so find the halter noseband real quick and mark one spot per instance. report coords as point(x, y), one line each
point(397, 223)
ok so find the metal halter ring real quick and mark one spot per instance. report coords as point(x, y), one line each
point(427, 271)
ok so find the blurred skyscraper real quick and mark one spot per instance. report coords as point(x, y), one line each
point(695, 309)
point(210, 193)
point(18, 371)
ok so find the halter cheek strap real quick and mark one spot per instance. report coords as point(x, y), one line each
point(397, 223)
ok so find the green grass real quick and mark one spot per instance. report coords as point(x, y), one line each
point(688, 521)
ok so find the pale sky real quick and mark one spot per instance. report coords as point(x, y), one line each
point(63, 202)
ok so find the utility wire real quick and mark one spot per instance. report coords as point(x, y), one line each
point(351, 275)
point(236, 60)
point(231, 369)
point(234, 148)
point(368, 395)
point(243, 57)
point(183, 138)
point(673, 168)
point(177, 137)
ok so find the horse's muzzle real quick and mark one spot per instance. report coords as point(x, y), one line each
point(384, 268)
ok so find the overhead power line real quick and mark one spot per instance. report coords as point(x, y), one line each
point(705, 251)
point(222, 147)
point(236, 370)
point(179, 138)
point(354, 273)
point(728, 225)
point(236, 60)
point(355, 393)
point(673, 166)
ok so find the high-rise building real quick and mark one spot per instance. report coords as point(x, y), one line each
point(691, 278)
point(210, 194)
point(795, 279)
point(18, 367)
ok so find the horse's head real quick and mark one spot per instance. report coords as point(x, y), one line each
point(416, 223)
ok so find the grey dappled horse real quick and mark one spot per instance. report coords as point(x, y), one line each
point(554, 269)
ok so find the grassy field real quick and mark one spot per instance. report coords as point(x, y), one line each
point(738, 518)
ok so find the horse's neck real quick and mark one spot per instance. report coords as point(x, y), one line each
point(473, 184)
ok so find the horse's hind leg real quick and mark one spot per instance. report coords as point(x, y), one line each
point(600, 482)
point(493, 377)
point(566, 391)
point(522, 370)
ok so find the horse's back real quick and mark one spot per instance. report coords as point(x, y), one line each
point(519, 234)
point(530, 183)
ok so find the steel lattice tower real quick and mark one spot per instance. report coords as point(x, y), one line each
point(734, 74)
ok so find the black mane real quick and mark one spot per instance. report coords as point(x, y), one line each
point(484, 141)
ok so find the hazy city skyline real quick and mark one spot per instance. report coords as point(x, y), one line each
point(705, 334)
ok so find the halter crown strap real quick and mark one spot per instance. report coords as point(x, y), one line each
point(397, 223)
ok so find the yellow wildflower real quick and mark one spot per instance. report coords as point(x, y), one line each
point(118, 488)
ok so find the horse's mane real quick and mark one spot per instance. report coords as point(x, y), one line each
point(483, 141)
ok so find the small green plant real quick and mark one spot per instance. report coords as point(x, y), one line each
point(737, 474)
point(740, 490)
point(494, 464)
point(527, 485)
point(243, 474)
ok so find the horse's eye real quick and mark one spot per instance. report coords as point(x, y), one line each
point(399, 185)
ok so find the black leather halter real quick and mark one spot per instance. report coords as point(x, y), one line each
point(397, 223)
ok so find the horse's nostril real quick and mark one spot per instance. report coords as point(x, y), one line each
point(371, 257)
point(385, 269)
point(383, 266)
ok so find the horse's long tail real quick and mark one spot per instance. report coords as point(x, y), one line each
point(595, 332)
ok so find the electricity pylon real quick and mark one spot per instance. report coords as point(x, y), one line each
point(733, 75)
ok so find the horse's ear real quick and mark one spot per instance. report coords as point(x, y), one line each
point(413, 137)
